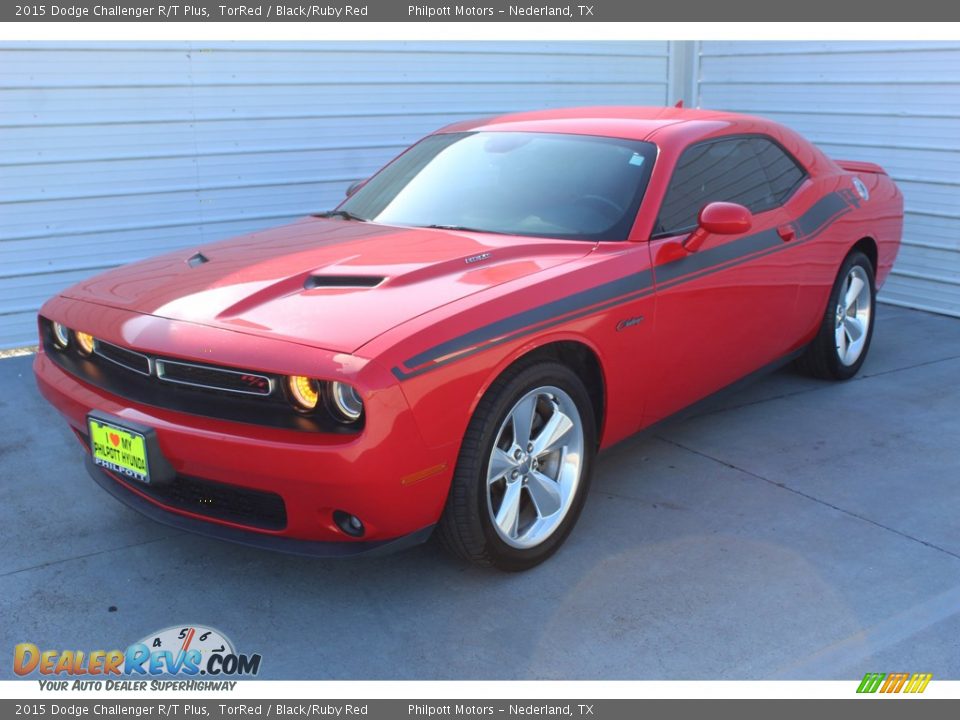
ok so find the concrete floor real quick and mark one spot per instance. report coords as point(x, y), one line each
point(795, 529)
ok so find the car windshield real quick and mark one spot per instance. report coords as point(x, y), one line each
point(578, 187)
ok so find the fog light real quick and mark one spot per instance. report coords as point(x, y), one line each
point(346, 401)
point(304, 392)
point(84, 342)
point(350, 524)
point(61, 335)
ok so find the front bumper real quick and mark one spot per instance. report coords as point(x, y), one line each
point(379, 474)
point(125, 493)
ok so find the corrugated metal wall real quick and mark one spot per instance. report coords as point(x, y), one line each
point(111, 152)
point(894, 103)
point(114, 152)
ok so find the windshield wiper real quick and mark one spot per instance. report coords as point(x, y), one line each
point(461, 228)
point(345, 214)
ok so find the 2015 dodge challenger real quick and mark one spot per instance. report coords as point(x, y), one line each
point(449, 348)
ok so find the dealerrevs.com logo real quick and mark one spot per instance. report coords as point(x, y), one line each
point(181, 651)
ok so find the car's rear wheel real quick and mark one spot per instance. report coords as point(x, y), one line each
point(523, 470)
point(841, 344)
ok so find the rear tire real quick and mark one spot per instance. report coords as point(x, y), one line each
point(523, 471)
point(843, 340)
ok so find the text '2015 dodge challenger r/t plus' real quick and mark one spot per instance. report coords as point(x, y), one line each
point(448, 349)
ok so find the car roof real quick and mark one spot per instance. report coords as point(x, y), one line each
point(635, 123)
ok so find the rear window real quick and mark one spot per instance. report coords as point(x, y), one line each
point(783, 172)
point(750, 170)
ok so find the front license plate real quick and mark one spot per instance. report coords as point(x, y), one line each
point(119, 450)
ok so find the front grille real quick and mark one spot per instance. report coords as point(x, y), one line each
point(255, 508)
point(232, 394)
point(123, 357)
point(212, 378)
point(224, 502)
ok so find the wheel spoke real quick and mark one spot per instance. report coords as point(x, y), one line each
point(544, 492)
point(534, 467)
point(551, 433)
point(841, 337)
point(500, 464)
point(522, 417)
point(854, 328)
point(853, 292)
point(509, 513)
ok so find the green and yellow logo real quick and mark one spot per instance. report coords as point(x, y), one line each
point(894, 682)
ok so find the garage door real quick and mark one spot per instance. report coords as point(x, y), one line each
point(892, 103)
point(113, 152)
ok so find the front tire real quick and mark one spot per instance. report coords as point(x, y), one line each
point(842, 343)
point(524, 469)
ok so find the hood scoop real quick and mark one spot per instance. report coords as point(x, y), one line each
point(325, 284)
point(315, 282)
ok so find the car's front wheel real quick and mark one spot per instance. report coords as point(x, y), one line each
point(841, 345)
point(523, 470)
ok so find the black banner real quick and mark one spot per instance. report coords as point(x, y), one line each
point(471, 709)
point(459, 709)
point(483, 11)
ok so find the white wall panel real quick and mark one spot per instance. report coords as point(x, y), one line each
point(897, 104)
point(112, 152)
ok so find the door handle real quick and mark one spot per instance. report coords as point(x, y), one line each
point(787, 233)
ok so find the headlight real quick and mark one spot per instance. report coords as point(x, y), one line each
point(84, 342)
point(61, 335)
point(345, 401)
point(304, 392)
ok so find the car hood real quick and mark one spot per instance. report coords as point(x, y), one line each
point(329, 283)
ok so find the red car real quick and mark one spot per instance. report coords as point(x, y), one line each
point(447, 350)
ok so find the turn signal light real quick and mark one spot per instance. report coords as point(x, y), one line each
point(341, 399)
point(84, 342)
point(304, 392)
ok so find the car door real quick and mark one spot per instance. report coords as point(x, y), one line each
point(722, 311)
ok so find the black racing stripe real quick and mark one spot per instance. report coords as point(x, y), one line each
point(820, 215)
point(720, 255)
point(534, 316)
point(403, 375)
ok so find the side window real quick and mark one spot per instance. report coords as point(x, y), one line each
point(783, 172)
point(717, 170)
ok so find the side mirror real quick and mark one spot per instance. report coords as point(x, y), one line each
point(719, 218)
point(354, 186)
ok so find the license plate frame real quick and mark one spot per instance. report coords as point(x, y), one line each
point(120, 449)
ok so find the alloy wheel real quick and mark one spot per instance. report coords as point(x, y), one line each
point(535, 467)
point(852, 316)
